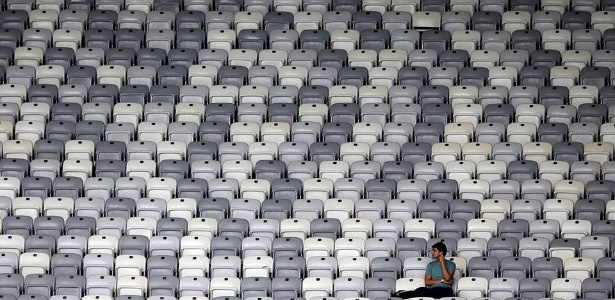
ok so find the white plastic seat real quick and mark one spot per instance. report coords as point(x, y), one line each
point(77, 168)
point(9, 187)
point(29, 130)
point(598, 151)
point(420, 228)
point(111, 74)
point(307, 20)
point(273, 57)
point(558, 209)
point(474, 189)
point(496, 209)
point(59, 207)
point(565, 288)
point(575, 229)
point(12, 244)
point(383, 76)
point(299, 228)
point(576, 58)
point(33, 263)
point(68, 38)
point(357, 228)
point(28, 206)
point(293, 75)
point(410, 284)
point(460, 170)
point(206, 227)
point(152, 131)
point(28, 56)
point(102, 244)
point(472, 287)
point(468, 40)
point(275, 132)
point(602, 20)
point(564, 75)
point(516, 20)
point(161, 187)
point(446, 152)
point(354, 267)
point(193, 266)
point(460, 133)
point(347, 40)
point(503, 76)
point(580, 94)
point(521, 133)
point(50, 74)
point(538, 152)
point(13, 93)
point(79, 149)
point(554, 171)
point(395, 58)
point(556, 39)
point(374, 94)
point(132, 285)
point(257, 189)
point(130, 265)
point(463, 95)
point(141, 226)
point(569, 189)
point(145, 169)
point(257, 266)
point(317, 287)
point(482, 228)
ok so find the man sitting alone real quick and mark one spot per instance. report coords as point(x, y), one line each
point(438, 277)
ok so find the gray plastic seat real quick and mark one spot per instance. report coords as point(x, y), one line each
point(486, 267)
point(355, 76)
point(534, 288)
point(515, 267)
point(547, 268)
point(483, 21)
point(11, 284)
point(39, 284)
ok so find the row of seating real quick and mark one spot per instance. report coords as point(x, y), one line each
point(312, 5)
point(236, 178)
point(517, 237)
point(440, 79)
point(339, 220)
point(345, 64)
point(75, 98)
point(198, 288)
point(375, 15)
point(361, 268)
point(317, 40)
point(534, 207)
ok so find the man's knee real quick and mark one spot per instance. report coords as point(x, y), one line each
point(441, 292)
point(421, 292)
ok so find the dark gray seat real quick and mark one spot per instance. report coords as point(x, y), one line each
point(437, 40)
point(327, 228)
point(483, 21)
point(133, 245)
point(60, 56)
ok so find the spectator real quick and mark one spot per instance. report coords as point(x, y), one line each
point(438, 277)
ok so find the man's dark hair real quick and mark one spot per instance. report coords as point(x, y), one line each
point(440, 246)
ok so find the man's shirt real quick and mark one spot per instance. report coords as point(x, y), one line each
point(434, 269)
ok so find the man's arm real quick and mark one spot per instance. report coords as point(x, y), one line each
point(446, 274)
point(429, 281)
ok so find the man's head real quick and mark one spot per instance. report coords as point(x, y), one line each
point(438, 249)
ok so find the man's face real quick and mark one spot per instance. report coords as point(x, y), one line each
point(435, 253)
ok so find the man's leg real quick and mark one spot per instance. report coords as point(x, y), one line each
point(420, 292)
point(441, 292)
